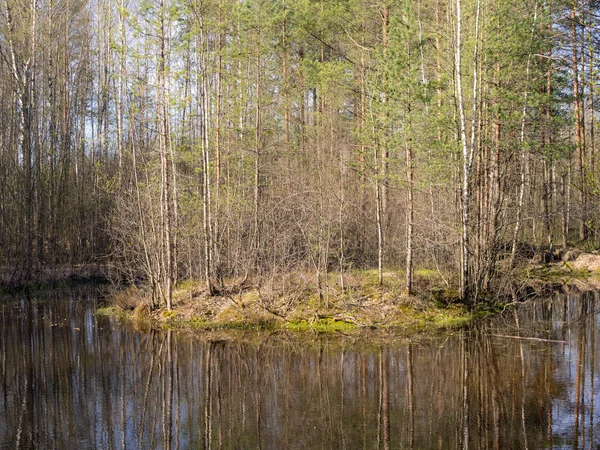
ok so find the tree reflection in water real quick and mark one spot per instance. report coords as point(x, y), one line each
point(69, 379)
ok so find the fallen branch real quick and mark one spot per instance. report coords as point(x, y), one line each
point(528, 338)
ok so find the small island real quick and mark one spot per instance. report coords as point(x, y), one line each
point(276, 224)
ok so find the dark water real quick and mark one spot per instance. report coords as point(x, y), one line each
point(71, 380)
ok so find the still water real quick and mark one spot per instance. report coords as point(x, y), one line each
point(72, 380)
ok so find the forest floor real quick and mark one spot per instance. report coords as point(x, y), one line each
point(350, 305)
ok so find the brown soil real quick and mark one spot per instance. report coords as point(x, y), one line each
point(589, 261)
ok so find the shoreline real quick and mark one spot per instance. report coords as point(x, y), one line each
point(362, 306)
point(42, 279)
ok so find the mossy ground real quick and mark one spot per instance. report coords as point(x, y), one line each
point(113, 311)
point(347, 305)
point(292, 302)
point(554, 273)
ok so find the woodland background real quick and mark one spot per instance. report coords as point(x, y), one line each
point(208, 139)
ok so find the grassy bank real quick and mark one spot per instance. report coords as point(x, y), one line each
point(348, 304)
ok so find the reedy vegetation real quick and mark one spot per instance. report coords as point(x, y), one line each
point(216, 138)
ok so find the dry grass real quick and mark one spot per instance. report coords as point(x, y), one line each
point(294, 301)
point(128, 299)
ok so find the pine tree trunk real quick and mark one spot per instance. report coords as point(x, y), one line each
point(577, 109)
point(409, 219)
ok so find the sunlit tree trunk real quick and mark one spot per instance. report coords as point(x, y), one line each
point(206, 182)
point(257, 164)
point(524, 169)
point(22, 68)
point(165, 161)
point(467, 148)
point(120, 80)
point(579, 117)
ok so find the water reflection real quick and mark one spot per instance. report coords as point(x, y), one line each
point(69, 379)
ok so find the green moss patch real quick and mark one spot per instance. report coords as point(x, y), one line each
point(327, 325)
point(441, 318)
